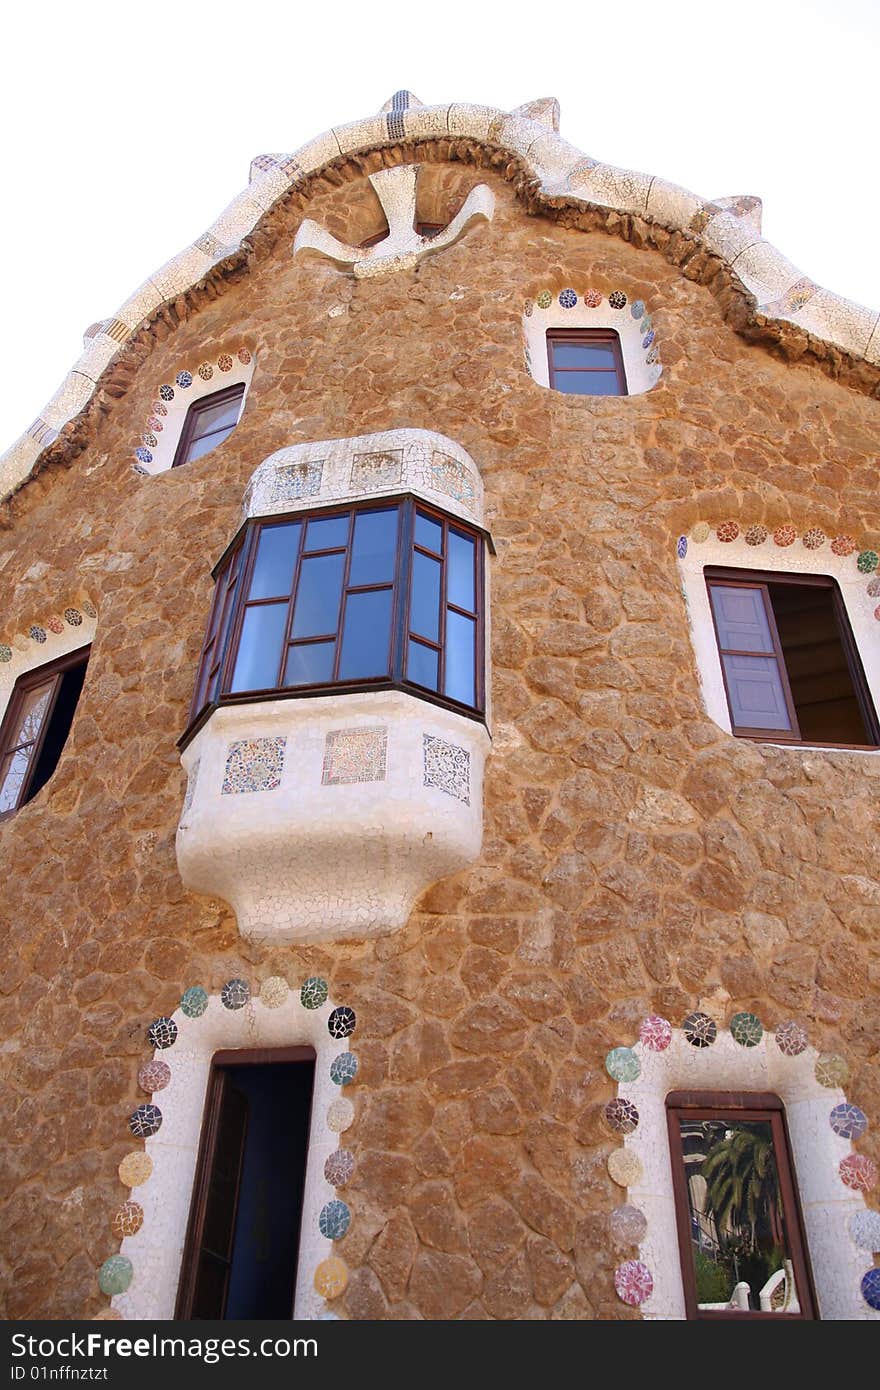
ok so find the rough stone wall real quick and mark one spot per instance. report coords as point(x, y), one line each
point(635, 858)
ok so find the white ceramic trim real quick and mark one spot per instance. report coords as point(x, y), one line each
point(641, 375)
point(172, 423)
point(156, 1250)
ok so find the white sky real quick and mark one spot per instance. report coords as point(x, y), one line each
point(128, 127)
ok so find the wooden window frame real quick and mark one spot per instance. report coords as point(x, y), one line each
point(609, 336)
point(190, 424)
point(233, 574)
point(51, 671)
point(262, 1056)
point(718, 575)
point(761, 1107)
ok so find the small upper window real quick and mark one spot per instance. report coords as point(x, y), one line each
point(208, 422)
point(36, 726)
point(791, 669)
point(586, 362)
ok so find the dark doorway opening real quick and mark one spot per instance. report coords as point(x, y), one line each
point(242, 1242)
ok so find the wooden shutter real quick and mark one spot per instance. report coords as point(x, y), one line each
point(752, 661)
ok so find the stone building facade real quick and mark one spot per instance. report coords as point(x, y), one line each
point(509, 923)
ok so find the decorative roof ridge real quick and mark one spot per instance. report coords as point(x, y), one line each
point(727, 228)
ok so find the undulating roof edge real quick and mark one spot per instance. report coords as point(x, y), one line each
point(728, 228)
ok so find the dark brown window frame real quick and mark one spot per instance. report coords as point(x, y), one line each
point(262, 1056)
point(233, 576)
point(190, 424)
point(40, 675)
point(760, 1106)
point(582, 335)
point(760, 579)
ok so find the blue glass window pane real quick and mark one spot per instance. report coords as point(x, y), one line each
point(374, 547)
point(205, 443)
point(259, 648)
point(316, 611)
point(460, 570)
point(276, 559)
point(741, 619)
point(424, 607)
point(310, 663)
point(459, 680)
point(421, 665)
point(587, 383)
point(429, 533)
point(582, 355)
point(327, 533)
point(365, 641)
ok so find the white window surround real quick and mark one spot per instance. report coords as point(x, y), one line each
point(641, 375)
point(156, 1250)
point(168, 438)
point(28, 654)
point(827, 1203)
point(793, 559)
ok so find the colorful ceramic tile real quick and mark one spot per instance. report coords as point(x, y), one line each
point(700, 1030)
point(166, 393)
point(295, 480)
point(89, 608)
point(115, 1274)
point(843, 545)
point(621, 1115)
point(867, 561)
point(5, 652)
point(648, 339)
point(446, 767)
point(36, 633)
point(331, 1277)
point(617, 299)
point(831, 1070)
point(544, 300)
point(253, 765)
point(528, 308)
point(371, 471)
point(681, 547)
point(746, 1029)
point(339, 1167)
point(755, 535)
point(592, 299)
point(244, 356)
point(56, 624)
point(162, 1033)
point(159, 408)
point(871, 1288)
point(628, 1225)
point(568, 299)
point(859, 1172)
point(727, 531)
point(655, 1033)
point(135, 1168)
point(637, 308)
point(154, 1076)
point(206, 371)
point(784, 536)
point(700, 532)
point(143, 455)
point(184, 380)
point(224, 362)
point(194, 1001)
point(144, 1121)
point(128, 1220)
point(791, 1038)
point(274, 992)
point(334, 1220)
point(622, 1064)
point(354, 755)
point(633, 1282)
point(864, 1229)
point(235, 994)
point(73, 617)
point(451, 477)
point(624, 1167)
point(343, 1068)
point(341, 1022)
point(873, 589)
point(313, 993)
point(150, 440)
point(814, 539)
point(848, 1121)
point(340, 1114)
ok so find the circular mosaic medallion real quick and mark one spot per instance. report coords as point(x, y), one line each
point(746, 1029)
point(341, 1023)
point(56, 624)
point(633, 1282)
point(340, 1114)
point(5, 652)
point(843, 545)
point(128, 1219)
point(144, 1121)
point(874, 588)
point(313, 993)
point(637, 308)
point(331, 1277)
point(700, 532)
point(528, 308)
point(154, 1076)
point(727, 531)
point(274, 992)
point(89, 609)
point(791, 1038)
point(648, 339)
point(864, 1228)
point(617, 299)
point(784, 535)
point(150, 440)
point(592, 299)
point(339, 1167)
point(135, 1168)
point(158, 408)
point(206, 371)
point(343, 1068)
point(115, 1274)
point(155, 423)
point(681, 547)
point(568, 299)
point(859, 1172)
point(166, 393)
point(194, 1001)
point(622, 1064)
point(37, 634)
point(755, 535)
point(628, 1225)
point(162, 1033)
point(73, 617)
point(334, 1220)
point(831, 1070)
point(848, 1121)
point(655, 1033)
point(143, 455)
point(624, 1167)
point(224, 362)
point(871, 1288)
point(544, 299)
point(184, 379)
point(700, 1030)
point(235, 994)
point(867, 561)
point(622, 1115)
point(814, 539)
point(647, 326)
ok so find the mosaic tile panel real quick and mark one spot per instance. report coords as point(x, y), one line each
point(73, 617)
point(162, 1033)
point(746, 1029)
point(791, 1039)
point(813, 539)
point(655, 1033)
point(341, 1022)
point(622, 1064)
point(295, 480)
point(451, 477)
point(135, 1168)
point(354, 755)
point(848, 1121)
point(154, 1076)
point(128, 1220)
point(369, 471)
point(784, 536)
point(633, 1282)
point(864, 1229)
point(235, 994)
point(617, 299)
point(871, 1288)
point(727, 531)
point(184, 380)
point(244, 356)
point(144, 1121)
point(446, 767)
point(331, 1277)
point(544, 299)
point(624, 1167)
point(343, 1068)
point(859, 1172)
point(334, 1220)
point(843, 545)
point(339, 1167)
point(166, 393)
point(115, 1274)
point(224, 362)
point(592, 299)
point(700, 1030)
point(568, 299)
point(313, 993)
point(867, 561)
point(206, 371)
point(681, 547)
point(755, 535)
point(274, 992)
point(191, 782)
point(37, 634)
point(194, 1001)
point(628, 1225)
point(621, 1115)
point(254, 765)
point(340, 1115)
point(831, 1070)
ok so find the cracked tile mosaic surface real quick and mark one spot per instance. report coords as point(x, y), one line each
point(294, 480)
point(339, 1167)
point(871, 1288)
point(791, 1039)
point(700, 1030)
point(859, 1172)
point(334, 1219)
point(446, 767)
point(628, 1225)
point(154, 1076)
point(655, 1033)
point(354, 755)
point(831, 1070)
point(274, 992)
point(128, 1220)
point(194, 1001)
point(343, 1068)
point(622, 1064)
point(624, 1167)
point(115, 1274)
point(313, 993)
point(254, 765)
point(162, 1033)
point(848, 1121)
point(235, 994)
point(135, 1168)
point(451, 477)
point(342, 1022)
point(340, 1114)
point(746, 1029)
point(369, 471)
point(144, 1121)
point(622, 1115)
point(331, 1278)
point(633, 1282)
